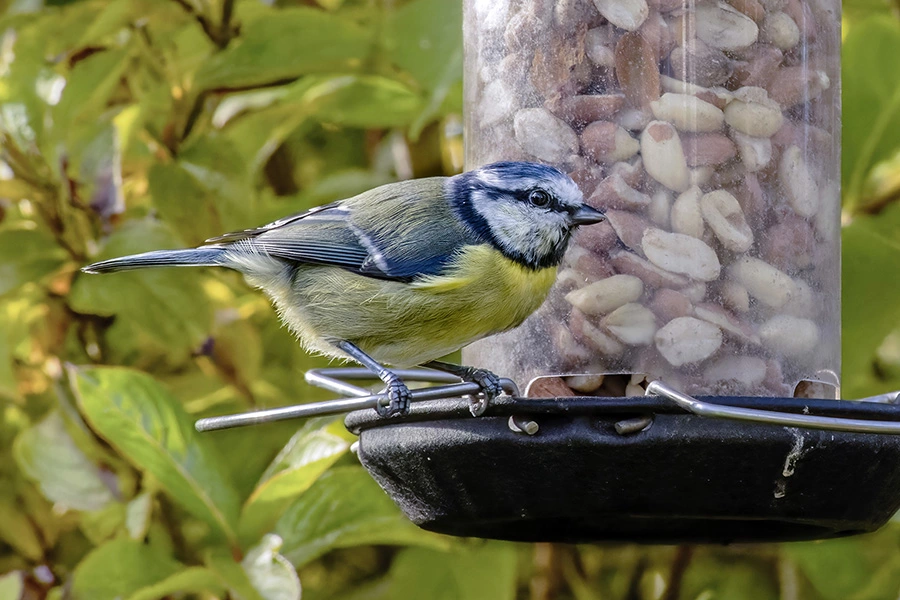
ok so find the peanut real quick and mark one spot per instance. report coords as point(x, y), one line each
point(762, 281)
point(688, 113)
point(545, 136)
point(725, 218)
point(664, 157)
point(606, 295)
point(632, 323)
point(687, 340)
point(627, 14)
point(681, 253)
point(790, 336)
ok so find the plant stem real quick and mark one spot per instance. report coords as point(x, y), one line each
point(682, 559)
point(221, 35)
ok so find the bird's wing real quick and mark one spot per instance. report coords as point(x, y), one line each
point(397, 232)
point(244, 234)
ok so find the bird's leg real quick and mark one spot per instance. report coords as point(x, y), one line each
point(489, 382)
point(398, 394)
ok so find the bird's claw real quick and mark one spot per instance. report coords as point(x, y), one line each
point(490, 387)
point(399, 398)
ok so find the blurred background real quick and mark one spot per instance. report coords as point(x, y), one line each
point(130, 125)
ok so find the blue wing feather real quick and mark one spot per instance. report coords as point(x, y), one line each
point(398, 232)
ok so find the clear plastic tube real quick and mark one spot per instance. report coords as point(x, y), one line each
point(710, 133)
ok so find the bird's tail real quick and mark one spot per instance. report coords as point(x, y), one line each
point(209, 256)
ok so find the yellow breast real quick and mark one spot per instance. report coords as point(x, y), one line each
point(489, 289)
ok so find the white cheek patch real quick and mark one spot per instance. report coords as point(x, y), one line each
point(524, 229)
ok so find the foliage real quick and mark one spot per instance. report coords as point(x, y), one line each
point(129, 125)
point(871, 179)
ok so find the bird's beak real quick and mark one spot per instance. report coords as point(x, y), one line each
point(586, 215)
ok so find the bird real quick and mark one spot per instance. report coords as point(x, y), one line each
point(407, 272)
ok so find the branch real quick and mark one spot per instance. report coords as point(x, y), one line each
point(683, 557)
point(197, 107)
point(225, 27)
point(634, 583)
point(220, 36)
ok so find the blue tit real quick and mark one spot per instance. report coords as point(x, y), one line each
point(407, 272)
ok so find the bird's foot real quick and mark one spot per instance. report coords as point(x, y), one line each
point(399, 398)
point(489, 382)
point(490, 388)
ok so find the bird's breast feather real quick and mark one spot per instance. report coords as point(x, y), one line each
point(483, 267)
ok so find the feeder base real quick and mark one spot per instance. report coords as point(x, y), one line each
point(683, 479)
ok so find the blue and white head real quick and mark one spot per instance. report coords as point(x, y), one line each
point(526, 210)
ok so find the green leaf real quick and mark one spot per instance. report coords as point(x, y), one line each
point(425, 38)
point(150, 428)
point(237, 352)
point(472, 572)
point(871, 100)
point(247, 456)
point(284, 44)
point(190, 580)
point(259, 134)
point(27, 256)
point(9, 386)
point(47, 455)
point(12, 586)
point(714, 575)
point(360, 101)
point(18, 123)
point(330, 4)
point(204, 193)
point(40, 514)
point(169, 306)
point(858, 568)
point(115, 16)
point(870, 251)
point(17, 528)
point(120, 568)
point(232, 575)
point(883, 182)
point(101, 525)
point(183, 203)
point(89, 85)
point(345, 508)
point(137, 515)
point(269, 572)
point(347, 100)
point(857, 10)
point(36, 42)
point(300, 463)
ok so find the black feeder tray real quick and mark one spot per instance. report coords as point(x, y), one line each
point(662, 468)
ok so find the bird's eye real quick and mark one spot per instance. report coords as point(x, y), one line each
point(539, 198)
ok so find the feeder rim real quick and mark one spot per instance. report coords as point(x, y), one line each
point(810, 413)
point(877, 414)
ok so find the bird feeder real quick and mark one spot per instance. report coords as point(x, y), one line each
point(681, 380)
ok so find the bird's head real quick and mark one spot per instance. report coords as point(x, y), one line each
point(526, 210)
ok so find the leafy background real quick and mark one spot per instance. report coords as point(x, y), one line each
point(128, 125)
